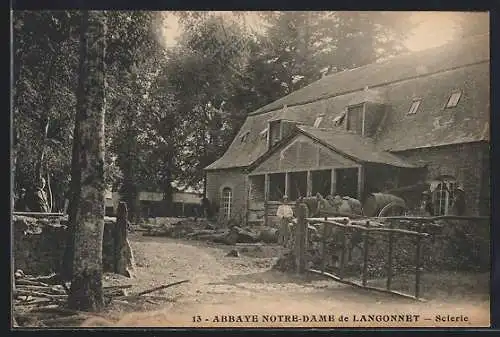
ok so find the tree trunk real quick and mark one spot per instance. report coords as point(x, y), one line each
point(88, 168)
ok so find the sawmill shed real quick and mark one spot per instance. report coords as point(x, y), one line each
point(418, 119)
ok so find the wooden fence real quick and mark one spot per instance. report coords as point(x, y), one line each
point(365, 227)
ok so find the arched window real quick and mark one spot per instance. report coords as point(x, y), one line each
point(443, 194)
point(227, 202)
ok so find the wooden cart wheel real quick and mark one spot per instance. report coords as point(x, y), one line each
point(392, 206)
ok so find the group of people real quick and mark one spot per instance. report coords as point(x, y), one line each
point(33, 200)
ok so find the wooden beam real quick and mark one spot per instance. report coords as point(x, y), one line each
point(361, 181)
point(389, 259)
point(301, 238)
point(363, 120)
point(309, 184)
point(418, 268)
point(333, 184)
point(287, 184)
point(365, 257)
point(369, 229)
point(317, 154)
point(266, 199)
point(356, 284)
point(38, 214)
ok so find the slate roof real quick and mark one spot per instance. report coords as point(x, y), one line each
point(360, 148)
point(405, 66)
point(431, 75)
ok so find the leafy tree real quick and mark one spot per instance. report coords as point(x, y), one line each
point(207, 71)
point(301, 47)
point(44, 63)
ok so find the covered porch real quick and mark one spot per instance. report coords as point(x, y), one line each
point(306, 166)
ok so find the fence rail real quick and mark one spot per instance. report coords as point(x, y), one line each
point(366, 227)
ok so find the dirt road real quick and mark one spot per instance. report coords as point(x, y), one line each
point(223, 289)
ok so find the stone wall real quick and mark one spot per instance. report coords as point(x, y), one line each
point(468, 163)
point(236, 180)
point(39, 244)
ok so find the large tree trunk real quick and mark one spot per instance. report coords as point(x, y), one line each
point(87, 212)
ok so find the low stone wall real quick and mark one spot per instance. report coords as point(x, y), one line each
point(39, 244)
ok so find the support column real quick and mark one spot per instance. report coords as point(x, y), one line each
point(287, 184)
point(361, 181)
point(266, 199)
point(309, 184)
point(333, 185)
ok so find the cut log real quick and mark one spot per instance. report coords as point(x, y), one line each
point(33, 283)
point(38, 294)
point(244, 235)
point(269, 235)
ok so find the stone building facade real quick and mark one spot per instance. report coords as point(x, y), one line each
point(419, 119)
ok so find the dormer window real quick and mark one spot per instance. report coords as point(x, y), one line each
point(318, 120)
point(414, 107)
point(355, 116)
point(337, 121)
point(453, 100)
point(274, 132)
point(244, 136)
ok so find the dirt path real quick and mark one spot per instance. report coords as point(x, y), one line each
point(221, 286)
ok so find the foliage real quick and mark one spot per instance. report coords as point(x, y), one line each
point(171, 113)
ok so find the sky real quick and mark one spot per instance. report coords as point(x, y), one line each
point(433, 28)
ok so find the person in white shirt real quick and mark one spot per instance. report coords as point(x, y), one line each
point(285, 215)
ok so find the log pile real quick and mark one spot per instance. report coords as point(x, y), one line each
point(207, 231)
point(40, 301)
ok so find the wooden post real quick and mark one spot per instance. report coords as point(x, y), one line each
point(361, 182)
point(389, 257)
point(365, 255)
point(287, 184)
point(266, 199)
point(300, 238)
point(418, 268)
point(363, 120)
point(323, 246)
point(342, 253)
point(309, 184)
point(333, 185)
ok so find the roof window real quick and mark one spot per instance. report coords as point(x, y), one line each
point(317, 122)
point(337, 121)
point(414, 107)
point(453, 100)
point(244, 136)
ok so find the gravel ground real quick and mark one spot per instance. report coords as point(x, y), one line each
point(220, 286)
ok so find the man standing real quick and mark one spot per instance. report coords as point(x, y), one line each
point(285, 215)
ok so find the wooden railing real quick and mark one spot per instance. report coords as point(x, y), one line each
point(365, 227)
